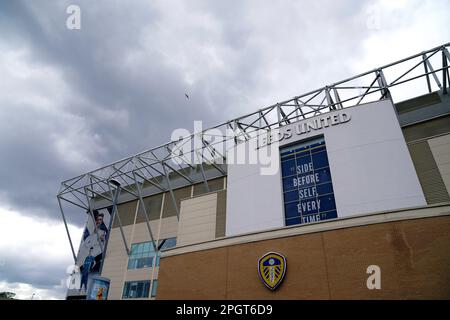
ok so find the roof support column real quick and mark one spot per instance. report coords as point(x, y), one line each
point(142, 204)
point(67, 230)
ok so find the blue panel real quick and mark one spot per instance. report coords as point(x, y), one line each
point(320, 159)
point(288, 167)
point(305, 180)
point(328, 215)
point(310, 218)
point(324, 188)
point(293, 221)
point(304, 159)
point(291, 210)
point(327, 202)
point(290, 196)
point(323, 175)
point(307, 193)
point(309, 206)
point(287, 156)
point(307, 186)
point(288, 183)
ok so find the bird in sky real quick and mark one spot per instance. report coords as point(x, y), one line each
point(186, 95)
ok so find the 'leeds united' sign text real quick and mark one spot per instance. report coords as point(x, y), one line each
point(300, 128)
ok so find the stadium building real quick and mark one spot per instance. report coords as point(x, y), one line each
point(338, 193)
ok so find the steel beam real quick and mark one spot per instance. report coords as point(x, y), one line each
point(147, 220)
point(67, 230)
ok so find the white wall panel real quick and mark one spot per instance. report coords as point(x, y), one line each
point(370, 165)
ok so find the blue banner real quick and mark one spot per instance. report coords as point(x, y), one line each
point(307, 186)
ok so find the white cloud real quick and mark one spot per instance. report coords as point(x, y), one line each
point(25, 291)
point(406, 28)
point(40, 244)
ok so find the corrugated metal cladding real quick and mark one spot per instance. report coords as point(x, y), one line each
point(428, 172)
point(418, 103)
point(221, 213)
point(427, 129)
point(214, 185)
point(153, 204)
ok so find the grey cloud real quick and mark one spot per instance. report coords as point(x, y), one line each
point(42, 274)
point(116, 87)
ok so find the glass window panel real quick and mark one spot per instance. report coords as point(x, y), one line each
point(168, 243)
point(125, 290)
point(141, 255)
point(139, 289)
point(146, 289)
point(136, 289)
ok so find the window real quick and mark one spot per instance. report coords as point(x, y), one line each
point(142, 254)
point(164, 245)
point(154, 288)
point(136, 289)
point(307, 187)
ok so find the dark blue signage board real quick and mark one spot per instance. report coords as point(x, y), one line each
point(307, 186)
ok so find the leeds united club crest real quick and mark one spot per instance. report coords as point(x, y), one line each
point(271, 269)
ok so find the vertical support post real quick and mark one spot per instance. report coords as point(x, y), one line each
point(425, 66)
point(383, 84)
point(116, 213)
point(141, 202)
point(278, 114)
point(338, 99)
point(172, 195)
point(444, 72)
point(67, 230)
point(435, 77)
point(330, 101)
point(203, 171)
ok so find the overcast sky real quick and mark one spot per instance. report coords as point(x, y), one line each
point(73, 100)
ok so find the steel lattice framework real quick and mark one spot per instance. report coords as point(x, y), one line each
point(428, 70)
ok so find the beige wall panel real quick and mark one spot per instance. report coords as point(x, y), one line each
point(116, 261)
point(197, 219)
point(440, 147)
point(141, 233)
point(169, 227)
point(138, 274)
